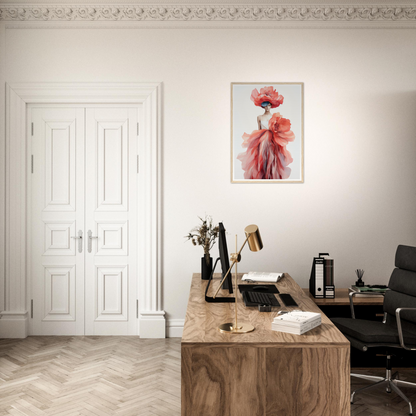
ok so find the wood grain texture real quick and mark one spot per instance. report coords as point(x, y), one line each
point(208, 389)
point(232, 380)
point(325, 389)
point(342, 299)
point(248, 366)
point(202, 319)
point(263, 373)
point(210, 394)
point(281, 391)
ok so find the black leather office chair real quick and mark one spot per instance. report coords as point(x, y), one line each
point(398, 329)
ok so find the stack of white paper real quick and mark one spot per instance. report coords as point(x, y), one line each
point(296, 322)
point(262, 277)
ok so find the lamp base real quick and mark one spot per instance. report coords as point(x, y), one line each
point(243, 328)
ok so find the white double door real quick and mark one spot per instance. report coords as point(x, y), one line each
point(83, 220)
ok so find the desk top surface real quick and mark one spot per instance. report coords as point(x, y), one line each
point(203, 318)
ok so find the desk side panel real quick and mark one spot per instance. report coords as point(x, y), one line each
point(270, 381)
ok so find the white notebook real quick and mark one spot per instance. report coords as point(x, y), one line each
point(263, 277)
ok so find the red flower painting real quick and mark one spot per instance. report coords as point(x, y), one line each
point(266, 156)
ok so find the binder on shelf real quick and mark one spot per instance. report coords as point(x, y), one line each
point(321, 282)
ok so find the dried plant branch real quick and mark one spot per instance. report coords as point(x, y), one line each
point(204, 235)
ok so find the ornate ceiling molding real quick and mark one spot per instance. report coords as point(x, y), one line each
point(292, 13)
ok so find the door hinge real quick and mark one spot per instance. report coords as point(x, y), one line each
point(137, 308)
point(138, 128)
point(31, 308)
point(32, 129)
point(32, 164)
point(138, 164)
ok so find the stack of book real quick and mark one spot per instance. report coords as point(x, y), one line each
point(368, 291)
point(296, 322)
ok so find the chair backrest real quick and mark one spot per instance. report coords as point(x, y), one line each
point(402, 285)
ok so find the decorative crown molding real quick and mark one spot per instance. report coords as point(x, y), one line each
point(386, 13)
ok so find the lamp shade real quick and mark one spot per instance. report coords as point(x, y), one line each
point(254, 238)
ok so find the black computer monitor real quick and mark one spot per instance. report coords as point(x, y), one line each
point(225, 265)
point(225, 262)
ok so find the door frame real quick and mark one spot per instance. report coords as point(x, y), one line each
point(18, 303)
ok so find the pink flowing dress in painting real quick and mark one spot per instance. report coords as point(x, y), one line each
point(266, 156)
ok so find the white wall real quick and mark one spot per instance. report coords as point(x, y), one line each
point(358, 200)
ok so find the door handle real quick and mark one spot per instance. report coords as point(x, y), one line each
point(90, 237)
point(79, 238)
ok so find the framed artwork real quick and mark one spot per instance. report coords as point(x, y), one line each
point(267, 132)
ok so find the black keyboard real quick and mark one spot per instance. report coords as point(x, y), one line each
point(258, 298)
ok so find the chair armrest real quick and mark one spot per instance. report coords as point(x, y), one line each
point(399, 327)
point(352, 294)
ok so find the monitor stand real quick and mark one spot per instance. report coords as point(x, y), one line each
point(217, 299)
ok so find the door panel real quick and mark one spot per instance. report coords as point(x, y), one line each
point(60, 299)
point(57, 204)
point(111, 216)
point(58, 241)
point(112, 286)
point(112, 164)
point(60, 165)
point(112, 238)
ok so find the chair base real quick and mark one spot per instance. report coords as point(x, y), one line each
point(390, 381)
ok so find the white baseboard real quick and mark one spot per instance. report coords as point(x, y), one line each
point(14, 324)
point(175, 328)
point(152, 324)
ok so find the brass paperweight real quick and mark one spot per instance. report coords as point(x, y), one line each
point(241, 329)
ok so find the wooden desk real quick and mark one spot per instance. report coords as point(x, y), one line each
point(265, 372)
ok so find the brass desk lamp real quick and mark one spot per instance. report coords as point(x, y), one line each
point(255, 244)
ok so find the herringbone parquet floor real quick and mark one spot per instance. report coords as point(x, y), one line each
point(120, 376)
point(90, 376)
point(376, 401)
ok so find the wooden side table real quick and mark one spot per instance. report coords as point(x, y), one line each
point(342, 298)
point(370, 308)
